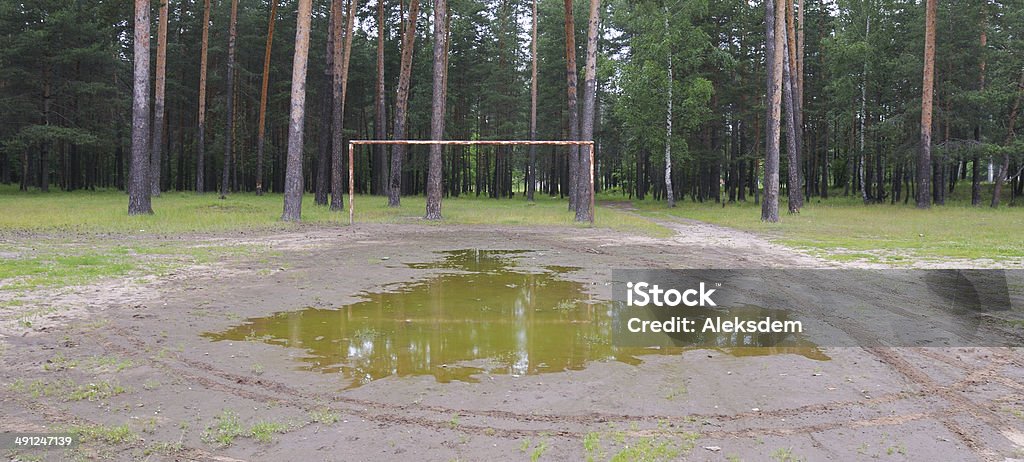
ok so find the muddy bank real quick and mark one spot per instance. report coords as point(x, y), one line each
point(135, 355)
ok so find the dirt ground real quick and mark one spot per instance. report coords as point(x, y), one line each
point(136, 343)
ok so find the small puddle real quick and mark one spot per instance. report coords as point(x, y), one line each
point(481, 314)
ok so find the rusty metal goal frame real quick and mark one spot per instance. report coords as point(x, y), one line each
point(352, 154)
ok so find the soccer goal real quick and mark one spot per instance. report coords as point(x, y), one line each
point(352, 155)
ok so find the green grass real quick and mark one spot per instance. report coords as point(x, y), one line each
point(846, 229)
point(119, 434)
point(841, 229)
point(49, 262)
point(185, 212)
point(67, 389)
point(224, 429)
point(49, 269)
point(264, 431)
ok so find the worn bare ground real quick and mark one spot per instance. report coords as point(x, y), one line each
point(900, 404)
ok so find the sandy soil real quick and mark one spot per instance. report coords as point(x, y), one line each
point(899, 404)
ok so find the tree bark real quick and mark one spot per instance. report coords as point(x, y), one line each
point(340, 89)
point(975, 161)
point(793, 189)
point(793, 76)
point(574, 123)
point(229, 132)
point(438, 110)
point(159, 112)
point(924, 158)
point(201, 135)
point(46, 144)
point(380, 117)
point(669, 193)
point(583, 212)
point(402, 105)
point(322, 172)
point(264, 90)
point(775, 14)
point(138, 178)
point(531, 177)
point(863, 118)
point(293, 173)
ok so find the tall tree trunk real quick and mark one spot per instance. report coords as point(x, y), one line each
point(669, 192)
point(775, 14)
point(201, 135)
point(583, 212)
point(793, 188)
point(402, 105)
point(293, 174)
point(229, 132)
point(531, 177)
point(574, 116)
point(1011, 135)
point(340, 89)
point(322, 180)
point(158, 108)
point(46, 144)
point(800, 61)
point(975, 161)
point(863, 118)
point(138, 184)
point(793, 78)
point(264, 90)
point(438, 110)
point(924, 158)
point(380, 184)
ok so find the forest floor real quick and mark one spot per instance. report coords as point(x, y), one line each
point(102, 336)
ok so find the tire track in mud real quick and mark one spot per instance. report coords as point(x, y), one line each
point(515, 425)
point(509, 424)
point(951, 395)
point(53, 414)
point(958, 403)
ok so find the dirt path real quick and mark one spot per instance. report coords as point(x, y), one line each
point(135, 357)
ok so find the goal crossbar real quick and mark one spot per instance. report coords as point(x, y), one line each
point(352, 154)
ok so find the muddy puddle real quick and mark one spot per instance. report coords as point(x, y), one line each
point(481, 314)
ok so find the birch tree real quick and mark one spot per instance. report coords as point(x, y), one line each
point(669, 193)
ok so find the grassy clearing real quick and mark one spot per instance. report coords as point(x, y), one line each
point(846, 229)
point(175, 213)
point(56, 262)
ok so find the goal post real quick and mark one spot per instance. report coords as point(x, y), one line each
point(352, 155)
